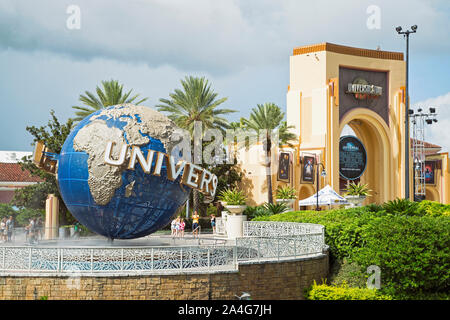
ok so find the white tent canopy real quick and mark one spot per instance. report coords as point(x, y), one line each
point(327, 196)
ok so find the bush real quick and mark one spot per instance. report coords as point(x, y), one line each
point(343, 227)
point(433, 208)
point(275, 208)
point(412, 252)
point(254, 212)
point(401, 207)
point(411, 246)
point(286, 192)
point(344, 271)
point(343, 292)
point(232, 197)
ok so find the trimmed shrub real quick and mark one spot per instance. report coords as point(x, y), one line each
point(412, 252)
point(343, 227)
point(412, 247)
point(433, 208)
point(343, 292)
point(344, 271)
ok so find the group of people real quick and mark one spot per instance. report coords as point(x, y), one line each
point(33, 231)
point(178, 225)
point(6, 229)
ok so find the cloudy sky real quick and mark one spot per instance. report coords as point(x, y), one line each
point(241, 46)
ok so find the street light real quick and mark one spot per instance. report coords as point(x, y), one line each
point(323, 174)
point(406, 34)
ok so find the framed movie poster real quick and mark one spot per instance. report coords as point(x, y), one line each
point(429, 172)
point(308, 169)
point(352, 158)
point(284, 166)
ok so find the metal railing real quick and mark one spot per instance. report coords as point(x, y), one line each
point(117, 260)
point(261, 242)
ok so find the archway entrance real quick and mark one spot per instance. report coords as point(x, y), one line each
point(371, 129)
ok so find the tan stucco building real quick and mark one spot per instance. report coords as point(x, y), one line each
point(331, 87)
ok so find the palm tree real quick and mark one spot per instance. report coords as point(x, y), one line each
point(263, 121)
point(195, 102)
point(110, 95)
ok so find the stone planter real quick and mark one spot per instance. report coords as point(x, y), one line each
point(235, 226)
point(235, 219)
point(288, 202)
point(235, 209)
point(355, 201)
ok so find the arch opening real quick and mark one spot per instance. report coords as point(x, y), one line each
point(372, 132)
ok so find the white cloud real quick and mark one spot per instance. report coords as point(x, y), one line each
point(438, 133)
point(214, 36)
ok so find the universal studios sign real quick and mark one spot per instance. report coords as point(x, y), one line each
point(192, 175)
point(363, 90)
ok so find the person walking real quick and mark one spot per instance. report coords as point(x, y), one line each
point(177, 227)
point(76, 230)
point(182, 226)
point(213, 223)
point(39, 229)
point(195, 223)
point(3, 231)
point(32, 231)
point(173, 228)
point(9, 228)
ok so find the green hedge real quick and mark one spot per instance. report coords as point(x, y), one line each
point(412, 252)
point(343, 292)
point(410, 243)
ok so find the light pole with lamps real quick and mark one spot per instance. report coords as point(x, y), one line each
point(406, 35)
point(323, 174)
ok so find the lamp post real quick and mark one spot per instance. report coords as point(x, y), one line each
point(406, 35)
point(323, 174)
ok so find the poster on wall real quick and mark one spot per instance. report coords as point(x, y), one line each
point(308, 169)
point(284, 167)
point(352, 158)
point(429, 172)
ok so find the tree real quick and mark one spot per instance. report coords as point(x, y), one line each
point(110, 95)
point(264, 120)
point(195, 102)
point(53, 136)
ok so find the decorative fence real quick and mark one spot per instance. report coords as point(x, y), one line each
point(280, 229)
point(261, 242)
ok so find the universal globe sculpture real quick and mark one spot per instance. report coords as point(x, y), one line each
point(118, 176)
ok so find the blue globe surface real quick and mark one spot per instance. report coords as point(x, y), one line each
point(153, 199)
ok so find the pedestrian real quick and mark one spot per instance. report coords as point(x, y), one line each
point(32, 231)
point(76, 230)
point(182, 226)
point(3, 231)
point(173, 228)
point(195, 223)
point(177, 227)
point(10, 227)
point(39, 229)
point(213, 223)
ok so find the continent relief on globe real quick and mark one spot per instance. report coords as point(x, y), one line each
point(105, 179)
